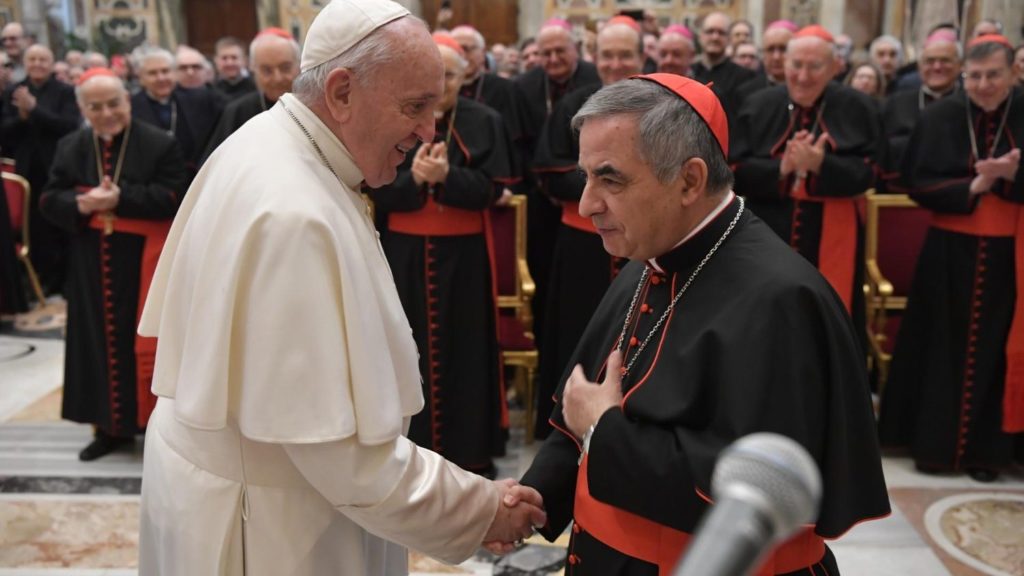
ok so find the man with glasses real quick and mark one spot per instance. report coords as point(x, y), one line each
point(714, 64)
point(561, 71)
point(773, 49)
point(13, 36)
point(114, 187)
point(188, 115)
point(486, 87)
point(804, 153)
point(191, 69)
point(939, 68)
point(955, 394)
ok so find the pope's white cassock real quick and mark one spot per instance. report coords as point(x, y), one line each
point(286, 371)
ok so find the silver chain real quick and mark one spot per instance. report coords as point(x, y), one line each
point(323, 157)
point(672, 305)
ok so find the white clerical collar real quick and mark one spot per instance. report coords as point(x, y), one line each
point(703, 223)
point(336, 154)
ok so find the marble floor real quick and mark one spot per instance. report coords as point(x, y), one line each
point(59, 516)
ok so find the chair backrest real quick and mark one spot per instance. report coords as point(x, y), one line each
point(508, 230)
point(896, 229)
point(6, 164)
point(18, 193)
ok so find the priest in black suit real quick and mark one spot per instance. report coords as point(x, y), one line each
point(187, 114)
point(274, 55)
point(714, 65)
point(37, 112)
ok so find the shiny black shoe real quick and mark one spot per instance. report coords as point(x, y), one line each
point(983, 475)
point(102, 445)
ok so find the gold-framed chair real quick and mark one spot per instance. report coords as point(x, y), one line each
point(515, 289)
point(895, 228)
point(19, 198)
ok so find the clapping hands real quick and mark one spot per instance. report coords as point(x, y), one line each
point(804, 153)
point(430, 164)
point(520, 512)
point(102, 198)
point(991, 169)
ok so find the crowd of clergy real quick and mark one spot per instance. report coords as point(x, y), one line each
point(110, 146)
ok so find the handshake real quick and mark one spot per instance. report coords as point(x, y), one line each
point(519, 514)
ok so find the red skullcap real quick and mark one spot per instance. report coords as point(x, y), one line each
point(817, 32)
point(679, 29)
point(985, 38)
point(275, 31)
point(624, 20)
point(784, 24)
point(442, 39)
point(93, 73)
point(701, 99)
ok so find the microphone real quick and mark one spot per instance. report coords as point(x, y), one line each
point(765, 487)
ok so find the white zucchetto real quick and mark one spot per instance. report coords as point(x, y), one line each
point(342, 24)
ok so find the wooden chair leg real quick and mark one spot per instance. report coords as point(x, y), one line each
point(33, 279)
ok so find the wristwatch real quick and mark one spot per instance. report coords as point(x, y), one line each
point(586, 443)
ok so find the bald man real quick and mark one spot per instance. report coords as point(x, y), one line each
point(581, 270)
point(715, 66)
point(37, 112)
point(675, 51)
point(13, 36)
point(939, 67)
point(117, 208)
point(486, 87)
point(541, 88)
point(803, 153)
point(773, 52)
point(275, 64)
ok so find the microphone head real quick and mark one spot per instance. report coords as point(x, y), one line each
point(774, 474)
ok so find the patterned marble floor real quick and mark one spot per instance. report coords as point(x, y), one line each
point(59, 516)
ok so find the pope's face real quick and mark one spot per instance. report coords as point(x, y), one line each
point(636, 216)
point(395, 109)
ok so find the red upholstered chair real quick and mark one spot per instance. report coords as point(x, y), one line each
point(7, 165)
point(19, 195)
point(515, 290)
point(896, 229)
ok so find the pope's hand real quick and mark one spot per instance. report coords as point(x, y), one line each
point(520, 511)
point(583, 401)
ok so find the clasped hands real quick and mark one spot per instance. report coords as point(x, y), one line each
point(583, 404)
point(430, 164)
point(804, 154)
point(991, 169)
point(24, 101)
point(102, 198)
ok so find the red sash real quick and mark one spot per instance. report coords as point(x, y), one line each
point(994, 216)
point(571, 218)
point(437, 220)
point(837, 250)
point(155, 233)
point(661, 545)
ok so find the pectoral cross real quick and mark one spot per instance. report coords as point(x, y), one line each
point(108, 223)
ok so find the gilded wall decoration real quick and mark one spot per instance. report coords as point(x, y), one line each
point(118, 26)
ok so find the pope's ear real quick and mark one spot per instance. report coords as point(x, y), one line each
point(693, 180)
point(338, 93)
